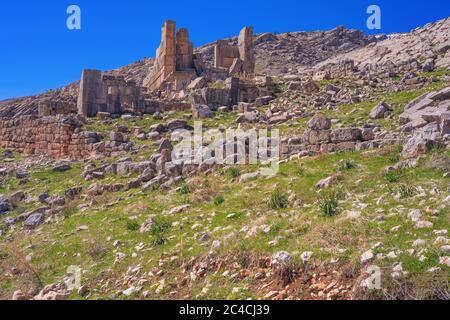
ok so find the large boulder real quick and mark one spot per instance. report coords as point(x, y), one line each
point(5, 205)
point(62, 167)
point(176, 124)
point(201, 111)
point(319, 122)
point(198, 83)
point(380, 111)
point(417, 146)
point(33, 221)
point(16, 198)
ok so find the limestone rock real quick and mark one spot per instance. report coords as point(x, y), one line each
point(379, 112)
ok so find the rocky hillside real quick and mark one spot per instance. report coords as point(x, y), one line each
point(288, 53)
point(428, 45)
point(362, 187)
point(283, 53)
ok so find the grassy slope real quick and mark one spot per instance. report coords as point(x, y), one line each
point(299, 227)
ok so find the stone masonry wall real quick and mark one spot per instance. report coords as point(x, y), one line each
point(53, 136)
point(320, 138)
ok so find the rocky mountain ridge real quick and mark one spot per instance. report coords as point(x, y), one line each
point(293, 52)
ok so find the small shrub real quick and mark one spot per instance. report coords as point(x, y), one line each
point(329, 205)
point(159, 231)
point(347, 164)
point(132, 226)
point(393, 176)
point(301, 172)
point(437, 149)
point(184, 189)
point(96, 249)
point(406, 191)
point(395, 158)
point(68, 212)
point(219, 200)
point(234, 173)
point(278, 200)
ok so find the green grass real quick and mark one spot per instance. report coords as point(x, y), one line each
point(262, 216)
point(278, 200)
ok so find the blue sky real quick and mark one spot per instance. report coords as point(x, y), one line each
point(38, 52)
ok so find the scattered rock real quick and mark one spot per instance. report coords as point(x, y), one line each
point(367, 256)
point(147, 225)
point(380, 111)
point(61, 167)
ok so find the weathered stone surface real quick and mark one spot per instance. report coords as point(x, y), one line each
point(201, 112)
point(174, 67)
point(432, 107)
point(345, 135)
point(176, 124)
point(417, 146)
point(319, 123)
point(246, 50)
point(54, 136)
point(73, 193)
point(238, 59)
point(61, 167)
point(379, 111)
point(16, 198)
point(5, 205)
point(198, 83)
point(317, 136)
point(33, 221)
point(147, 225)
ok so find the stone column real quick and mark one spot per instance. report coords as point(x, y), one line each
point(90, 89)
point(246, 50)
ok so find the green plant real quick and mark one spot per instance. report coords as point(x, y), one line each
point(329, 205)
point(184, 189)
point(393, 176)
point(132, 225)
point(68, 212)
point(219, 200)
point(395, 158)
point(347, 164)
point(159, 231)
point(406, 191)
point(234, 173)
point(301, 172)
point(278, 200)
point(437, 149)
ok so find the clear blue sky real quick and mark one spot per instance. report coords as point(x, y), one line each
point(38, 52)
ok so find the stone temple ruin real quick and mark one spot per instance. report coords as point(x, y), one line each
point(178, 74)
point(103, 93)
point(175, 64)
point(237, 60)
point(54, 127)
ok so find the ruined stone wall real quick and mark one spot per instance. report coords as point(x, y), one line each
point(237, 60)
point(153, 106)
point(53, 136)
point(165, 62)
point(52, 108)
point(90, 89)
point(224, 54)
point(174, 62)
point(246, 50)
point(105, 93)
point(328, 141)
point(184, 51)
